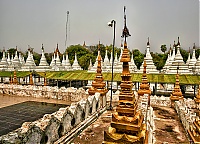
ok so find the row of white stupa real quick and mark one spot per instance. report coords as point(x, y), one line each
point(173, 61)
point(18, 63)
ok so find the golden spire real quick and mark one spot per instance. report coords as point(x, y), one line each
point(31, 79)
point(144, 86)
point(176, 94)
point(15, 78)
point(98, 85)
point(127, 123)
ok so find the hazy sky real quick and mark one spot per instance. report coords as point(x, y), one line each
point(33, 22)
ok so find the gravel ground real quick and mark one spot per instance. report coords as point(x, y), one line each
point(168, 128)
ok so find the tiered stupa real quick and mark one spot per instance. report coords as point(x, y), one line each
point(30, 63)
point(106, 63)
point(127, 125)
point(43, 66)
point(118, 68)
point(168, 61)
point(15, 61)
point(176, 94)
point(144, 86)
point(76, 65)
point(151, 68)
point(67, 63)
point(98, 85)
point(133, 67)
point(193, 61)
point(178, 62)
point(197, 66)
point(4, 63)
point(188, 60)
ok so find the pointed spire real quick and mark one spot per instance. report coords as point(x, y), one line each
point(194, 46)
point(148, 44)
point(84, 45)
point(121, 43)
point(178, 44)
point(174, 44)
point(42, 47)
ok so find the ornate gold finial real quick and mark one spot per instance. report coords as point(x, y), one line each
point(125, 32)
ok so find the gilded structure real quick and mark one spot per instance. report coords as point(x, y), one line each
point(194, 131)
point(176, 94)
point(127, 125)
point(15, 78)
point(31, 79)
point(197, 101)
point(98, 85)
point(144, 86)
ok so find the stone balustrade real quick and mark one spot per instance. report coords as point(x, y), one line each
point(51, 127)
point(160, 101)
point(66, 94)
point(186, 112)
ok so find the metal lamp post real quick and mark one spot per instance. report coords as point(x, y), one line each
point(112, 24)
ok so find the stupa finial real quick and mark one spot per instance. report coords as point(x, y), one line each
point(148, 41)
point(125, 32)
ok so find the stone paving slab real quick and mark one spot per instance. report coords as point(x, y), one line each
point(12, 117)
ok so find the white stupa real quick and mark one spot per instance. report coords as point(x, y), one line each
point(43, 65)
point(151, 68)
point(106, 64)
point(8, 59)
point(193, 60)
point(76, 65)
point(30, 63)
point(178, 62)
point(67, 63)
point(188, 60)
point(15, 61)
point(4, 63)
point(132, 66)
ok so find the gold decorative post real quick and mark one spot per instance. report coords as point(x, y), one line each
point(30, 79)
point(144, 86)
point(127, 123)
point(15, 78)
point(98, 85)
point(176, 94)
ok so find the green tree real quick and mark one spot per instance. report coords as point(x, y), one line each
point(80, 51)
point(138, 57)
point(159, 60)
point(163, 48)
point(184, 54)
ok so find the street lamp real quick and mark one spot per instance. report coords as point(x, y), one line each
point(112, 24)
